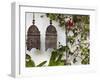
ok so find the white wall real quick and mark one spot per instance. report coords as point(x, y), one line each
point(5, 41)
point(42, 23)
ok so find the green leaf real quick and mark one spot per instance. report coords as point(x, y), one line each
point(85, 61)
point(59, 58)
point(42, 63)
point(85, 19)
point(28, 56)
point(30, 63)
point(71, 39)
point(53, 57)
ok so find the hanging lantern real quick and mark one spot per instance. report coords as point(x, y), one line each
point(33, 37)
point(51, 37)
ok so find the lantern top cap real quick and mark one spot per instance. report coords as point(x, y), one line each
point(51, 22)
point(33, 21)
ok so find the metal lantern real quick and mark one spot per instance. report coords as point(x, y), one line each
point(33, 37)
point(51, 37)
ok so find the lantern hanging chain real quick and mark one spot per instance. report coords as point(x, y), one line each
point(33, 18)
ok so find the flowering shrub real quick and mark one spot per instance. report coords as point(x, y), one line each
point(77, 44)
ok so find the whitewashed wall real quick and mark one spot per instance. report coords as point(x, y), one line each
point(42, 23)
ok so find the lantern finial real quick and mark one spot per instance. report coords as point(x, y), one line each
point(50, 21)
point(33, 21)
